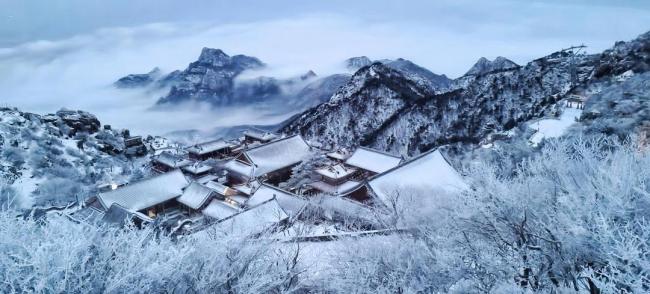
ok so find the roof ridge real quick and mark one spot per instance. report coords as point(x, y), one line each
point(276, 141)
point(378, 151)
point(407, 163)
point(258, 129)
point(148, 179)
point(202, 187)
point(251, 208)
point(278, 189)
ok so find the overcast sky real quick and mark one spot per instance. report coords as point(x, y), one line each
point(57, 53)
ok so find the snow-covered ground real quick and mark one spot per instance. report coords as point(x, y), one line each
point(553, 128)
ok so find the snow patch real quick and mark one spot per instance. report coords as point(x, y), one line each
point(553, 128)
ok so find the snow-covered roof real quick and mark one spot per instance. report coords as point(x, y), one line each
point(239, 199)
point(118, 214)
point(254, 220)
point(278, 154)
point(89, 215)
point(335, 189)
point(207, 178)
point(197, 168)
point(239, 167)
point(337, 171)
point(430, 172)
point(290, 202)
point(260, 134)
point(195, 195)
point(338, 155)
point(345, 206)
point(146, 193)
point(211, 146)
point(247, 188)
point(171, 160)
point(373, 160)
point(219, 210)
point(221, 189)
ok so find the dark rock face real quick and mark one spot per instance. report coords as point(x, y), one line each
point(422, 76)
point(425, 78)
point(624, 56)
point(171, 79)
point(308, 76)
point(373, 96)
point(257, 90)
point(79, 121)
point(383, 108)
point(138, 80)
point(134, 146)
point(209, 79)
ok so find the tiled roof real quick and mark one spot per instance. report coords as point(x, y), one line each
point(373, 160)
point(146, 193)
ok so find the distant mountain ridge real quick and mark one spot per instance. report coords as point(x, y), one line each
point(138, 80)
point(427, 79)
point(215, 79)
point(484, 65)
point(383, 108)
point(209, 79)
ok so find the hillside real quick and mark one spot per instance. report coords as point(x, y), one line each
point(381, 108)
point(56, 159)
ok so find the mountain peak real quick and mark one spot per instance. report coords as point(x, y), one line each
point(484, 65)
point(355, 63)
point(213, 56)
point(138, 80)
point(420, 75)
point(308, 75)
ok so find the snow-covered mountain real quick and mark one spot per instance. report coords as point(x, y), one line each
point(138, 80)
point(423, 77)
point(355, 63)
point(319, 90)
point(484, 65)
point(215, 78)
point(210, 79)
point(383, 108)
point(50, 159)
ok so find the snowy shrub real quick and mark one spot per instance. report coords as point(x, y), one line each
point(575, 216)
point(58, 191)
point(571, 218)
point(300, 174)
point(9, 198)
point(28, 134)
point(60, 257)
point(64, 171)
point(74, 152)
point(14, 155)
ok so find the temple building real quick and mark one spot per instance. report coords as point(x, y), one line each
point(216, 149)
point(149, 197)
point(371, 162)
point(271, 162)
point(166, 162)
